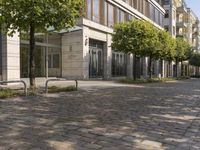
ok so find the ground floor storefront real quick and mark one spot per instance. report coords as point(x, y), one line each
point(81, 53)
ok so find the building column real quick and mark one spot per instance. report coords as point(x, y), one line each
point(10, 57)
point(163, 69)
point(107, 73)
point(145, 67)
point(130, 65)
point(157, 74)
point(86, 53)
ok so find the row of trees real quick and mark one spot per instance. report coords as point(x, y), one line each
point(145, 40)
point(195, 62)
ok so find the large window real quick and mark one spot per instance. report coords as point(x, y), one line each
point(89, 7)
point(120, 15)
point(119, 64)
point(96, 11)
point(152, 12)
point(157, 17)
point(93, 10)
point(105, 13)
point(110, 15)
point(48, 50)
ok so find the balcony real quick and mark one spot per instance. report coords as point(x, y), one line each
point(181, 24)
point(182, 9)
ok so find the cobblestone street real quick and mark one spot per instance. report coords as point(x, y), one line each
point(161, 116)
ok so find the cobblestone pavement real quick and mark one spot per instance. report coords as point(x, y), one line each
point(163, 116)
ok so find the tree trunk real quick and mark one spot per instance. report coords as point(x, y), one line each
point(134, 67)
point(182, 68)
point(169, 67)
point(150, 67)
point(162, 73)
point(32, 57)
point(176, 68)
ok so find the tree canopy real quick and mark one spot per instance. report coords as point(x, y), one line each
point(144, 39)
point(167, 46)
point(195, 59)
point(17, 15)
point(33, 16)
point(183, 50)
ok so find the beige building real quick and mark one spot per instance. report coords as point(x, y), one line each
point(84, 51)
point(180, 21)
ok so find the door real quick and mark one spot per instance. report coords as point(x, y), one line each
point(96, 63)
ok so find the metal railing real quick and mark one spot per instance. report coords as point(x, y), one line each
point(58, 79)
point(17, 81)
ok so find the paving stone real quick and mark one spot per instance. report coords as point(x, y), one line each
point(110, 116)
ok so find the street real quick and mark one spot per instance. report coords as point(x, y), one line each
point(158, 116)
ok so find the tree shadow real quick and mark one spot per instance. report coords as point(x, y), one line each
point(155, 116)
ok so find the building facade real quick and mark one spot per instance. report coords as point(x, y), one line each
point(181, 21)
point(84, 51)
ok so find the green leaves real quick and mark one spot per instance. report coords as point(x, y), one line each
point(195, 59)
point(144, 39)
point(59, 14)
point(183, 50)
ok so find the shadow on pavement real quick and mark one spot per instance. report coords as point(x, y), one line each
point(156, 116)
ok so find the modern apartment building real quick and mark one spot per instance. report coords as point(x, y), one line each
point(181, 21)
point(84, 51)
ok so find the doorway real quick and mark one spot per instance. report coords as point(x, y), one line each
point(96, 63)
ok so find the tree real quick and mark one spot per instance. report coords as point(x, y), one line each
point(152, 47)
point(138, 37)
point(195, 61)
point(36, 16)
point(167, 46)
point(183, 52)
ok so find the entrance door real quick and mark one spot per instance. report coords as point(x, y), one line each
point(96, 62)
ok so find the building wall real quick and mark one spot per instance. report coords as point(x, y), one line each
point(10, 58)
point(72, 55)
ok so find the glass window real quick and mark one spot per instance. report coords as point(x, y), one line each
point(152, 12)
point(161, 19)
point(167, 14)
point(56, 61)
point(96, 14)
point(118, 64)
point(122, 16)
point(110, 15)
point(105, 13)
point(156, 16)
point(89, 4)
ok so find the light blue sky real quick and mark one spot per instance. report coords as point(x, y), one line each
point(195, 6)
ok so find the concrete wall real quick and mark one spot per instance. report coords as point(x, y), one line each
point(72, 55)
point(11, 57)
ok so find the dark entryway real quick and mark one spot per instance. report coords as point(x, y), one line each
point(96, 59)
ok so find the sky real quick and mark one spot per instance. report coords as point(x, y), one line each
point(195, 6)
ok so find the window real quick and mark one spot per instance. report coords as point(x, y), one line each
point(152, 12)
point(161, 19)
point(167, 14)
point(56, 60)
point(53, 61)
point(96, 11)
point(166, 28)
point(105, 13)
point(89, 13)
point(156, 16)
point(118, 64)
point(110, 15)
